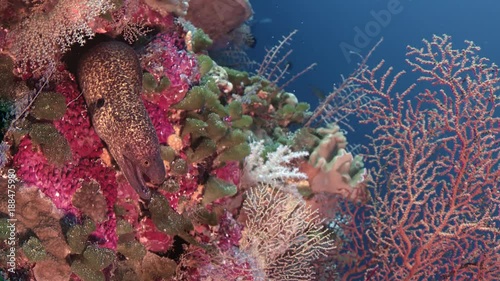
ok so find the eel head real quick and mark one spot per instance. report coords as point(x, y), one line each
point(139, 170)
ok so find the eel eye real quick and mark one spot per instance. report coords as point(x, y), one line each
point(146, 163)
point(100, 103)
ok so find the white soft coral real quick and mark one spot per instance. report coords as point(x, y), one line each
point(278, 165)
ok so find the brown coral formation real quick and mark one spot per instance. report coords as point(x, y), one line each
point(90, 200)
point(217, 18)
point(37, 213)
point(333, 170)
point(178, 7)
point(51, 269)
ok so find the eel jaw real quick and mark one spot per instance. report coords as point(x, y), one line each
point(135, 178)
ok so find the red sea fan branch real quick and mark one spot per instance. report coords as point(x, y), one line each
point(436, 168)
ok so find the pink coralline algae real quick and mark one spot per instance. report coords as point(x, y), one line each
point(60, 183)
point(151, 238)
point(230, 172)
point(75, 125)
point(166, 56)
point(231, 265)
point(188, 184)
point(229, 232)
point(159, 118)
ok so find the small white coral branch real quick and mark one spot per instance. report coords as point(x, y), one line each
point(277, 167)
point(40, 38)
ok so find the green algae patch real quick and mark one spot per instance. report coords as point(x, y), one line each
point(85, 272)
point(150, 85)
point(167, 219)
point(127, 244)
point(123, 227)
point(179, 167)
point(34, 250)
point(212, 102)
point(216, 127)
point(167, 153)
point(212, 85)
point(216, 188)
point(237, 77)
point(234, 153)
point(170, 186)
point(302, 106)
point(90, 201)
point(235, 110)
point(235, 137)
point(204, 216)
point(54, 146)
point(243, 123)
point(304, 140)
point(149, 82)
point(200, 41)
point(4, 228)
point(131, 248)
point(205, 148)
point(194, 99)
point(195, 127)
point(164, 84)
point(155, 267)
point(49, 106)
point(7, 78)
point(78, 234)
point(205, 64)
point(98, 258)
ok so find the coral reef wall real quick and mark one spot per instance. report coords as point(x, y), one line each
point(67, 209)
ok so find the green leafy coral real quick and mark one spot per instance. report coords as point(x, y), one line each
point(216, 188)
point(200, 41)
point(210, 125)
point(151, 85)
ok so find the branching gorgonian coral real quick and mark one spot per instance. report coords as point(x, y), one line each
point(283, 235)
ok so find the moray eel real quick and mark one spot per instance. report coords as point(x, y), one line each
point(110, 77)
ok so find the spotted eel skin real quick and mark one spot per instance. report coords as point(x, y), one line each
point(110, 77)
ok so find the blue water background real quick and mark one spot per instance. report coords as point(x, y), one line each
point(324, 24)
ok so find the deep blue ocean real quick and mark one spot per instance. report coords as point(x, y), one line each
point(325, 26)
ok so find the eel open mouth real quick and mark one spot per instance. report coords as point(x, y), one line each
point(136, 178)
